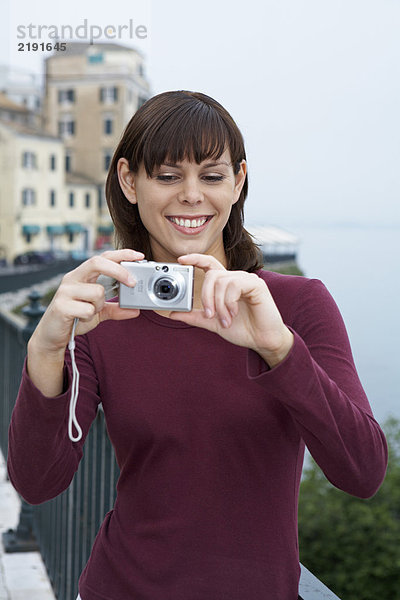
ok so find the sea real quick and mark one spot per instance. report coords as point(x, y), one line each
point(359, 264)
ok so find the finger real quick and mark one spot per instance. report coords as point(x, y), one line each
point(220, 304)
point(123, 254)
point(195, 318)
point(75, 309)
point(232, 297)
point(88, 292)
point(208, 293)
point(112, 310)
point(99, 265)
point(202, 261)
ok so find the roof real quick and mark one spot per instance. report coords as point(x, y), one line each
point(8, 104)
point(22, 129)
point(272, 235)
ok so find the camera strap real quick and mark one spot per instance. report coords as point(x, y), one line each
point(72, 420)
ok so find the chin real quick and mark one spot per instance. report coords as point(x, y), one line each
point(189, 248)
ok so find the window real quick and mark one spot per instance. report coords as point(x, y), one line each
point(71, 199)
point(52, 162)
point(100, 198)
point(28, 197)
point(87, 200)
point(29, 160)
point(107, 159)
point(96, 58)
point(52, 198)
point(108, 95)
point(68, 161)
point(108, 126)
point(66, 127)
point(66, 96)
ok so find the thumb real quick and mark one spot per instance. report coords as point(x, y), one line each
point(112, 310)
point(195, 318)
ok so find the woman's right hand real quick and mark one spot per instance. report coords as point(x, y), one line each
point(79, 296)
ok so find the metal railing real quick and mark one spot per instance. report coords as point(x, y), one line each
point(66, 526)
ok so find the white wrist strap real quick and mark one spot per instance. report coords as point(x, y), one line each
point(72, 420)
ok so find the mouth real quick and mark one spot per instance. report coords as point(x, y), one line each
point(189, 225)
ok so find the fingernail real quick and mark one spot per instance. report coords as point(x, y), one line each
point(208, 313)
point(224, 323)
point(131, 280)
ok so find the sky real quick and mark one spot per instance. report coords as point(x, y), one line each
point(313, 85)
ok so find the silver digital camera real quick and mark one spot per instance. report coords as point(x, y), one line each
point(162, 286)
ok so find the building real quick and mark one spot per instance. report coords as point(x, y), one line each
point(53, 165)
point(278, 247)
point(23, 88)
point(12, 112)
point(39, 209)
point(92, 91)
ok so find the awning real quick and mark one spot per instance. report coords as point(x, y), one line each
point(74, 228)
point(30, 229)
point(105, 229)
point(55, 229)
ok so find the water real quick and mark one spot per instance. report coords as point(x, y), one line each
point(360, 267)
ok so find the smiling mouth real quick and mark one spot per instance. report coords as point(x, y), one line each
point(192, 223)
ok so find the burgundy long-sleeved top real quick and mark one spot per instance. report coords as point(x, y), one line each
point(210, 445)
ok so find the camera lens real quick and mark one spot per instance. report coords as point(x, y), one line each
point(166, 288)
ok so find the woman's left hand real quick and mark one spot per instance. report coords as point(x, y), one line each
point(239, 307)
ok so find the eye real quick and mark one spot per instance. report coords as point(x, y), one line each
point(166, 178)
point(213, 178)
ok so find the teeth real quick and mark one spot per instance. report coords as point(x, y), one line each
point(188, 222)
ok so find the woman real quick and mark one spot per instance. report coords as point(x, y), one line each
point(209, 411)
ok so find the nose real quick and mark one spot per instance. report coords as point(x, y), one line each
point(190, 192)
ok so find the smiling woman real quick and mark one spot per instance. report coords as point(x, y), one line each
point(210, 410)
point(184, 207)
point(203, 167)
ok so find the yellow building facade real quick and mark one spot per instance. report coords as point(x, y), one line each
point(39, 210)
point(53, 170)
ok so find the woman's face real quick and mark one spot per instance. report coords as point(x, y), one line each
point(184, 206)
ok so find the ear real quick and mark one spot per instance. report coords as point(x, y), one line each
point(240, 178)
point(126, 180)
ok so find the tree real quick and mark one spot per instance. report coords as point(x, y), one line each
point(353, 545)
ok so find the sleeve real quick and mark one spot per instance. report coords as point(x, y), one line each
point(42, 460)
point(319, 386)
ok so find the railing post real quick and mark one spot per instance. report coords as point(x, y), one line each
point(34, 312)
point(22, 539)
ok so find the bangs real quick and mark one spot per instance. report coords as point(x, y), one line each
point(194, 131)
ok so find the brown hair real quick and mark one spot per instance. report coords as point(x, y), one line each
point(176, 126)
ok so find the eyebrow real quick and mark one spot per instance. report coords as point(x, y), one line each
point(210, 164)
